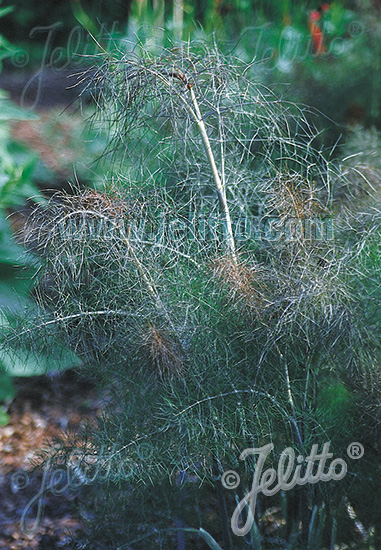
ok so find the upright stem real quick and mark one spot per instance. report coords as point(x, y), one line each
point(301, 491)
point(148, 281)
point(220, 188)
point(159, 20)
point(224, 518)
point(178, 14)
point(197, 117)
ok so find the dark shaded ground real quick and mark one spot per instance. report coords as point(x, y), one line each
point(43, 407)
point(44, 88)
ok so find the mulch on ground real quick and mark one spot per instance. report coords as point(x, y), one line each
point(43, 408)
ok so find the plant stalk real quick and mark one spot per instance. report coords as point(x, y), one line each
point(220, 188)
point(197, 117)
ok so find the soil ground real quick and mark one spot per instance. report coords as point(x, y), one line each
point(43, 407)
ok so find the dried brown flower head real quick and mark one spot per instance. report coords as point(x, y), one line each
point(245, 283)
point(163, 354)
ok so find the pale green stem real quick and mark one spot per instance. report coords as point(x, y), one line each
point(197, 117)
point(148, 281)
point(220, 188)
point(178, 14)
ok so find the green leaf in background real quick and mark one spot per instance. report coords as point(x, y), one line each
point(7, 391)
point(17, 169)
point(15, 285)
point(11, 253)
point(23, 363)
point(10, 111)
point(6, 48)
point(335, 399)
point(5, 11)
point(4, 418)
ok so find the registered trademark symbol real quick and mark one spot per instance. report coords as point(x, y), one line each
point(356, 28)
point(144, 451)
point(355, 450)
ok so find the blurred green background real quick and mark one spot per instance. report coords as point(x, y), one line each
point(339, 76)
